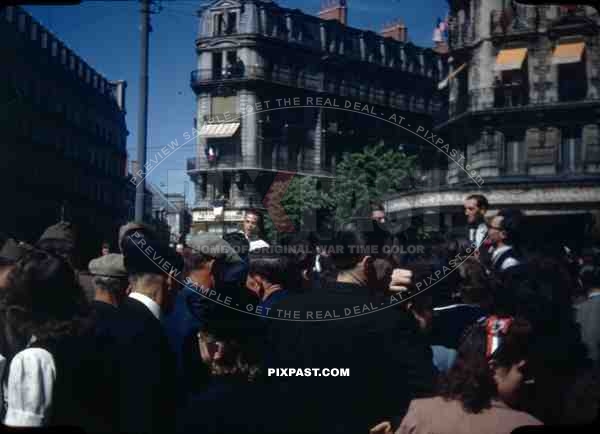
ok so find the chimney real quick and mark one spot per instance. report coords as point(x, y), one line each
point(334, 10)
point(395, 30)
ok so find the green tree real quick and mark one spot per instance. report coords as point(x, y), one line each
point(369, 176)
point(303, 199)
point(360, 178)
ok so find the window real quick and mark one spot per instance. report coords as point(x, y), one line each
point(572, 81)
point(10, 13)
point(514, 155)
point(22, 21)
point(218, 24)
point(570, 150)
point(511, 88)
point(217, 65)
point(223, 104)
point(63, 56)
point(231, 23)
point(34, 31)
point(72, 62)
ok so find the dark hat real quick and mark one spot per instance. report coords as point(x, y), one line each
point(214, 246)
point(60, 231)
point(131, 228)
point(12, 251)
point(111, 265)
point(143, 254)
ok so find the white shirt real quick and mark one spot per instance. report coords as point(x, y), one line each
point(148, 302)
point(29, 389)
point(258, 244)
point(477, 235)
point(508, 262)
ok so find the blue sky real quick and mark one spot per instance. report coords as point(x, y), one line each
point(106, 35)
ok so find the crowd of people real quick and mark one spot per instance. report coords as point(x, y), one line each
point(203, 337)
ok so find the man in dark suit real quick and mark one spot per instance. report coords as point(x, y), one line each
point(147, 386)
point(389, 362)
point(108, 278)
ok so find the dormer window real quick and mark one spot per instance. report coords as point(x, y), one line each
point(231, 23)
point(225, 23)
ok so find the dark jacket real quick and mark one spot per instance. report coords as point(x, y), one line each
point(450, 322)
point(226, 406)
point(147, 386)
point(389, 362)
point(182, 328)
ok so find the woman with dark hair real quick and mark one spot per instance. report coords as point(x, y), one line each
point(485, 382)
point(53, 373)
point(543, 296)
point(233, 400)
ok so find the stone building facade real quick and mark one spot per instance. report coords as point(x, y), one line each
point(524, 114)
point(63, 134)
point(252, 52)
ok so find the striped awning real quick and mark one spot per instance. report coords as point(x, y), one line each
point(510, 59)
point(214, 131)
point(568, 53)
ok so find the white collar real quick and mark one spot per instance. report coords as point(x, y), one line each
point(148, 302)
point(500, 250)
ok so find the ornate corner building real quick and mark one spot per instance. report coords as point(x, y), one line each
point(524, 112)
point(252, 53)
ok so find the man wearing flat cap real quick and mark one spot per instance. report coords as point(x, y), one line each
point(109, 280)
point(109, 277)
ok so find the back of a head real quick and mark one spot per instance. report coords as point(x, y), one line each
point(274, 268)
point(44, 285)
point(471, 380)
point(356, 240)
point(474, 283)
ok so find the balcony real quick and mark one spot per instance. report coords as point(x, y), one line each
point(225, 162)
point(505, 22)
point(203, 77)
point(460, 35)
point(312, 82)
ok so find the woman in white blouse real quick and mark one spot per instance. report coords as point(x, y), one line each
point(45, 345)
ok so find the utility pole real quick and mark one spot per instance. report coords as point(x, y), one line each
point(142, 109)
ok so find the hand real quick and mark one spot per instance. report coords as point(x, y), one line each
point(382, 428)
point(401, 279)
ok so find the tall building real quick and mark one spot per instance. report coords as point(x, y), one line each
point(171, 210)
point(253, 53)
point(524, 117)
point(63, 134)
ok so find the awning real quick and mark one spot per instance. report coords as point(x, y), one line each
point(510, 59)
point(214, 131)
point(442, 84)
point(568, 53)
